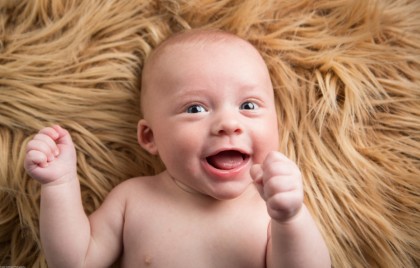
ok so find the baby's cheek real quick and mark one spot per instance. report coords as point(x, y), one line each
point(265, 144)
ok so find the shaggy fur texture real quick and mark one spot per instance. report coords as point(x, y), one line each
point(347, 81)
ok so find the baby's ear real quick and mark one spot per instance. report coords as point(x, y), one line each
point(145, 137)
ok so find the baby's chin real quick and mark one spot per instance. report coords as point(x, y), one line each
point(233, 190)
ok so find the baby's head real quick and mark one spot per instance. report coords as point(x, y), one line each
point(208, 109)
point(193, 39)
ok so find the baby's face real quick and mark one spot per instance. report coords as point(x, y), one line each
point(212, 115)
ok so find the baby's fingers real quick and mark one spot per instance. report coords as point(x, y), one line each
point(35, 158)
point(52, 135)
point(51, 132)
point(44, 145)
point(280, 184)
point(257, 175)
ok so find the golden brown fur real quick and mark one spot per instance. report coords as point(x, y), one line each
point(347, 80)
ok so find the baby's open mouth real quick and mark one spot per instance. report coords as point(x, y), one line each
point(227, 160)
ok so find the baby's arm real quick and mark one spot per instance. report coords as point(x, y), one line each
point(295, 240)
point(69, 237)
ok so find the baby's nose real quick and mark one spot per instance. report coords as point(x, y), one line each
point(227, 125)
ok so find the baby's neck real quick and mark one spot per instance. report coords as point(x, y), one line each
point(197, 197)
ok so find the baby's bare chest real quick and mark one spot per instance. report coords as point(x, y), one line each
point(177, 238)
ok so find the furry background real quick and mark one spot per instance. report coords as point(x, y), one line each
point(347, 81)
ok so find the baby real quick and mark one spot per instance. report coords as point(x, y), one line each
point(227, 198)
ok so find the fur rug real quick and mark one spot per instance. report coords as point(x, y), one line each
point(347, 81)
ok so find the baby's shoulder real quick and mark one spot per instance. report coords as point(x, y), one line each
point(134, 185)
point(136, 188)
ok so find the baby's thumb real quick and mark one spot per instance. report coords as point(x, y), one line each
point(65, 144)
point(63, 136)
point(257, 176)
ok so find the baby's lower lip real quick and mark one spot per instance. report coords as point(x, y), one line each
point(228, 173)
point(227, 160)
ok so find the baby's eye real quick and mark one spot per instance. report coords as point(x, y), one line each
point(249, 105)
point(194, 109)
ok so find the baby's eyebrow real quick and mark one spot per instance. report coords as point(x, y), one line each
point(197, 91)
point(185, 92)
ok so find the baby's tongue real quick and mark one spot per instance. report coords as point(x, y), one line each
point(226, 160)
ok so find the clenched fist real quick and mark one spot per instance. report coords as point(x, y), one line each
point(279, 182)
point(51, 156)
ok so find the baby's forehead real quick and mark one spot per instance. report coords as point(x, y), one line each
point(186, 42)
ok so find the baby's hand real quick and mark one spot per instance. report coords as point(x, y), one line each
point(279, 182)
point(51, 156)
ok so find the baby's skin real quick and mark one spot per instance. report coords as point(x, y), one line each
point(228, 197)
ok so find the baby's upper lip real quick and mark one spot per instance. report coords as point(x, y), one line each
point(228, 148)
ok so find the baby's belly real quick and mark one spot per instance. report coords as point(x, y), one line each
point(192, 259)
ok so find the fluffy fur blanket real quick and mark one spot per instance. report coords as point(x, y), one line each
point(347, 81)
